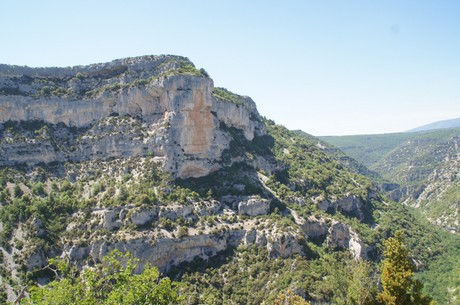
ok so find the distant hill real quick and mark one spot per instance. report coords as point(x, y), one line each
point(453, 123)
point(420, 169)
point(367, 149)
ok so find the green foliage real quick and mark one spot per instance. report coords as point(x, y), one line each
point(397, 271)
point(79, 76)
point(53, 90)
point(340, 279)
point(435, 251)
point(112, 282)
point(248, 277)
point(245, 276)
point(368, 149)
point(188, 68)
point(181, 67)
point(445, 207)
point(17, 191)
point(223, 182)
point(442, 279)
point(288, 298)
point(38, 189)
point(414, 161)
point(224, 94)
point(310, 172)
point(204, 72)
point(299, 174)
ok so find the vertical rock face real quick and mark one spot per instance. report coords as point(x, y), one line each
point(174, 114)
point(254, 206)
point(341, 236)
point(196, 142)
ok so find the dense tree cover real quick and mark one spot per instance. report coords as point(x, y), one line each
point(247, 276)
point(288, 298)
point(442, 279)
point(111, 282)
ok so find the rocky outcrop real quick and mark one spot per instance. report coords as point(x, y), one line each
point(174, 114)
point(254, 206)
point(340, 236)
point(140, 217)
point(167, 252)
point(315, 227)
point(164, 250)
point(173, 212)
point(349, 204)
point(284, 245)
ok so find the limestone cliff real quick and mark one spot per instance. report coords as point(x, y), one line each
point(169, 103)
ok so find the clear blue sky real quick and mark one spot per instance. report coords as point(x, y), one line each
point(326, 67)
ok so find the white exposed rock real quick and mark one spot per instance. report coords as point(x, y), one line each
point(284, 245)
point(109, 219)
point(350, 204)
point(254, 206)
point(77, 253)
point(141, 217)
point(341, 236)
point(239, 116)
point(314, 227)
point(172, 212)
point(250, 237)
point(37, 226)
point(180, 119)
point(206, 208)
point(167, 252)
point(325, 205)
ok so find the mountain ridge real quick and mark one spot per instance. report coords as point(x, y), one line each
point(444, 124)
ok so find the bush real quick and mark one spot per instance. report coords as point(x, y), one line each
point(112, 282)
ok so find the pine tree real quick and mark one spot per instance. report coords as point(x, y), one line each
point(397, 271)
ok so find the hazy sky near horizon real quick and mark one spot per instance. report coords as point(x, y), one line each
point(326, 67)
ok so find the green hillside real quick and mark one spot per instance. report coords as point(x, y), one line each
point(368, 149)
point(371, 150)
point(420, 169)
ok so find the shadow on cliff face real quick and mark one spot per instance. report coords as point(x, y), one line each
point(201, 265)
point(240, 165)
point(238, 179)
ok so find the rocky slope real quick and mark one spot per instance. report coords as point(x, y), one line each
point(145, 155)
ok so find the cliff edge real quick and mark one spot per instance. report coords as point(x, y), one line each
point(174, 108)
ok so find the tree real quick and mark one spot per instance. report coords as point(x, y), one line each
point(362, 286)
point(112, 282)
point(289, 298)
point(397, 271)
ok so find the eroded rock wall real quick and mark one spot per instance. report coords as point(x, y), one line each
point(178, 117)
